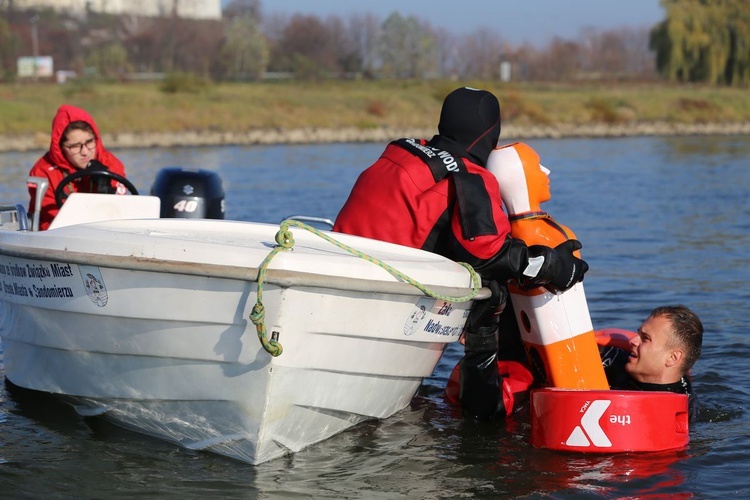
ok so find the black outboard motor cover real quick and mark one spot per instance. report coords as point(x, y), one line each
point(189, 194)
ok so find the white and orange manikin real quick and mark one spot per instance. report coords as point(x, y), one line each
point(555, 327)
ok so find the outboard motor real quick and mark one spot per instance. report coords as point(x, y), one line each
point(189, 194)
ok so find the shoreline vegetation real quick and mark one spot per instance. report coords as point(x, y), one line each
point(123, 140)
point(205, 114)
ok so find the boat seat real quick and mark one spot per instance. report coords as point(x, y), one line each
point(80, 208)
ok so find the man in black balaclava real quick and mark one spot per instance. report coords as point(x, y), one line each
point(469, 124)
point(438, 196)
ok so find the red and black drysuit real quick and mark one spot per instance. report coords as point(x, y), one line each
point(54, 166)
point(420, 196)
point(437, 196)
point(423, 197)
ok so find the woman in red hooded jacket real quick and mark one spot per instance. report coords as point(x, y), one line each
point(75, 145)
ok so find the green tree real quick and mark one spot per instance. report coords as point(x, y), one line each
point(703, 41)
point(9, 47)
point(406, 49)
point(110, 60)
point(244, 54)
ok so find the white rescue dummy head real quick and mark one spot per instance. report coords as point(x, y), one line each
point(524, 182)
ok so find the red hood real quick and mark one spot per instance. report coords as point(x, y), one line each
point(66, 114)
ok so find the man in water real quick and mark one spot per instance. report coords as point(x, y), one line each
point(659, 358)
point(661, 355)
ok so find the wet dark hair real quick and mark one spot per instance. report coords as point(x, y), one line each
point(76, 125)
point(687, 331)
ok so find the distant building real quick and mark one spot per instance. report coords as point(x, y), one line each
point(197, 9)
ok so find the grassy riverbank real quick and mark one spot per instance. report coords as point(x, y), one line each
point(140, 109)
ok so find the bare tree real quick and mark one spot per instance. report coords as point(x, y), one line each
point(243, 8)
point(479, 55)
point(306, 47)
point(447, 57)
point(246, 43)
point(362, 36)
point(560, 61)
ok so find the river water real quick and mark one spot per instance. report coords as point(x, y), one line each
point(662, 220)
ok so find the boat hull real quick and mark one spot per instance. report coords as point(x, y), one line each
point(154, 334)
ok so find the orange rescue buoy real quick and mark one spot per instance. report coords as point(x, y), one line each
point(608, 421)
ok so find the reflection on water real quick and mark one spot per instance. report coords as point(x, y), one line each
point(662, 220)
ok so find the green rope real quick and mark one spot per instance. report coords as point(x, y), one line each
point(285, 240)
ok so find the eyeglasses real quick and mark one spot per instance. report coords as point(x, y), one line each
point(78, 147)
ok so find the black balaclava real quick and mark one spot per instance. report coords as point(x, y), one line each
point(469, 124)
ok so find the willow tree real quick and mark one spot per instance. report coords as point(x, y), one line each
point(704, 41)
point(738, 68)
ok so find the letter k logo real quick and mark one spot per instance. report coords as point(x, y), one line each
point(590, 424)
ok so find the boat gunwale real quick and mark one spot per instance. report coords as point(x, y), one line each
point(279, 277)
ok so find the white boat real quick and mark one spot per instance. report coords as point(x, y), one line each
point(145, 321)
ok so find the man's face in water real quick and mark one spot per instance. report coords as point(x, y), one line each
point(653, 357)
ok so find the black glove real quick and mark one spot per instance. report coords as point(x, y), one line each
point(481, 333)
point(561, 269)
point(486, 312)
point(96, 165)
point(100, 184)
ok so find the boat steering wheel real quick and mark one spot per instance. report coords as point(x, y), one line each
point(61, 195)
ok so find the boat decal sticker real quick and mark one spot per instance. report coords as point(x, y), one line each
point(445, 309)
point(436, 317)
point(439, 328)
point(94, 285)
point(416, 318)
point(32, 280)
